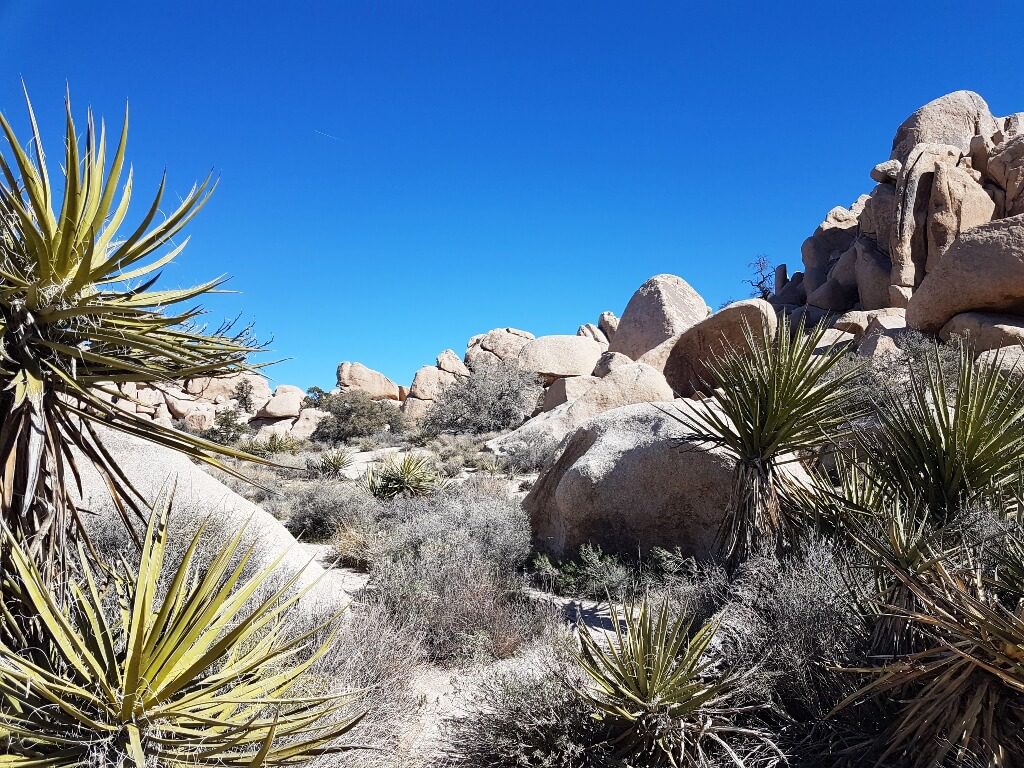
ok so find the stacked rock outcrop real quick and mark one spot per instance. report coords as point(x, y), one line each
point(941, 234)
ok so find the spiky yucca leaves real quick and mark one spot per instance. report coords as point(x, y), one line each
point(776, 397)
point(962, 696)
point(412, 475)
point(662, 700)
point(198, 676)
point(79, 317)
point(950, 448)
point(330, 464)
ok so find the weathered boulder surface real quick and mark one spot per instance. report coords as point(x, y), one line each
point(430, 380)
point(305, 425)
point(629, 384)
point(832, 238)
point(285, 403)
point(857, 321)
point(662, 307)
point(982, 271)
point(211, 389)
point(591, 331)
point(566, 390)
point(872, 271)
point(199, 495)
point(628, 481)
point(552, 357)
point(608, 322)
point(608, 362)
point(496, 345)
point(686, 369)
point(951, 119)
point(985, 330)
point(356, 376)
point(1010, 360)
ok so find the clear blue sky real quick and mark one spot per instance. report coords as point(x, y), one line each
point(398, 176)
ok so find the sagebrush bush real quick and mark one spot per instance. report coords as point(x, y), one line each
point(496, 396)
point(530, 453)
point(526, 718)
point(790, 625)
point(453, 563)
point(352, 414)
point(378, 655)
point(333, 511)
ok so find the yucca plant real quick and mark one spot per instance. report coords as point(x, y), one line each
point(79, 318)
point(196, 674)
point(330, 464)
point(412, 475)
point(962, 696)
point(950, 448)
point(662, 700)
point(774, 398)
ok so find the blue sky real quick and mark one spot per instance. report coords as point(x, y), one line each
point(398, 176)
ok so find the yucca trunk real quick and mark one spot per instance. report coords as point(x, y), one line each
point(753, 516)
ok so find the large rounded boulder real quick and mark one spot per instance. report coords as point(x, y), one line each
point(629, 480)
point(662, 307)
point(953, 119)
point(552, 357)
point(983, 270)
point(573, 404)
point(686, 368)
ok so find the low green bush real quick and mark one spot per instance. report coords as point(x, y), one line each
point(352, 414)
point(229, 426)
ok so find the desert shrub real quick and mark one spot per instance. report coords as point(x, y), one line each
point(526, 718)
point(455, 452)
point(228, 428)
point(334, 511)
point(453, 563)
point(873, 379)
point(115, 685)
point(242, 394)
point(592, 573)
point(378, 655)
point(496, 396)
point(329, 465)
point(653, 683)
point(410, 475)
point(530, 453)
point(789, 625)
point(274, 444)
point(692, 588)
point(352, 414)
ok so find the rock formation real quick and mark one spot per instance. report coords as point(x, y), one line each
point(662, 307)
point(625, 482)
point(940, 236)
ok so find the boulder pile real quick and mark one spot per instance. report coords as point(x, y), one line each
point(938, 242)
